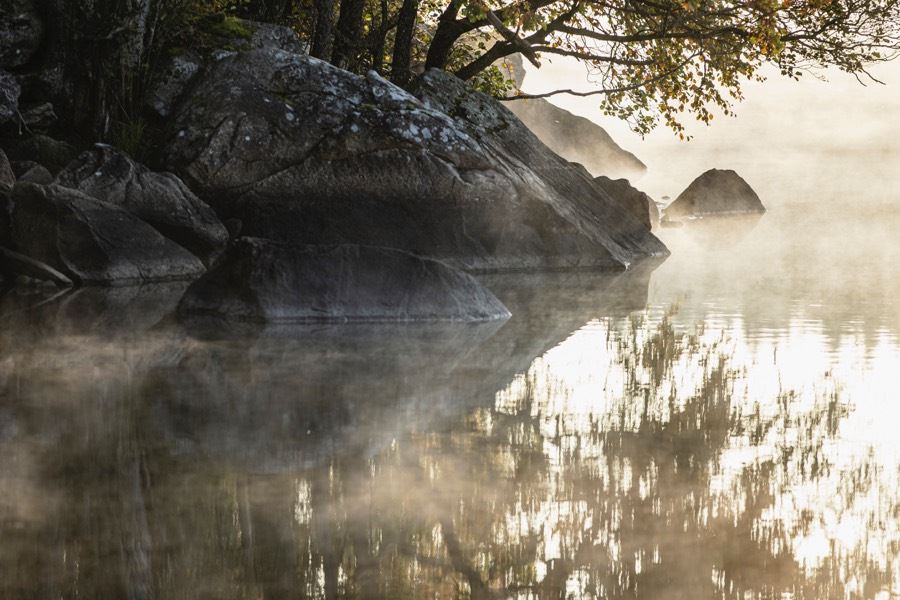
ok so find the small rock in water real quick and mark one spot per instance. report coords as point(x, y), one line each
point(265, 281)
point(715, 193)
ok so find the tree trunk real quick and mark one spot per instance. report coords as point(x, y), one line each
point(267, 11)
point(349, 31)
point(448, 31)
point(324, 31)
point(379, 43)
point(403, 39)
point(497, 51)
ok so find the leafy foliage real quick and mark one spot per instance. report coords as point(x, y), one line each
point(653, 61)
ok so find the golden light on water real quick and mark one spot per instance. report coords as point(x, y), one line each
point(820, 418)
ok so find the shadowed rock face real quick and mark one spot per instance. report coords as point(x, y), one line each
point(15, 263)
point(20, 32)
point(31, 172)
point(9, 97)
point(716, 192)
point(261, 280)
point(303, 152)
point(160, 199)
point(641, 205)
point(93, 241)
point(7, 176)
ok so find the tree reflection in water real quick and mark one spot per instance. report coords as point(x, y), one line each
point(638, 458)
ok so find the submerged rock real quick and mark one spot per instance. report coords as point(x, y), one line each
point(301, 151)
point(715, 192)
point(93, 241)
point(21, 31)
point(261, 280)
point(160, 199)
point(641, 205)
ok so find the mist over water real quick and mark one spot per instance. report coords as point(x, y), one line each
point(722, 425)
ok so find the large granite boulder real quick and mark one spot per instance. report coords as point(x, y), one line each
point(304, 152)
point(179, 70)
point(716, 192)
point(10, 90)
point(640, 204)
point(92, 241)
point(160, 199)
point(261, 280)
point(21, 32)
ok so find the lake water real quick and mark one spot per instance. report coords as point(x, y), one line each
point(722, 426)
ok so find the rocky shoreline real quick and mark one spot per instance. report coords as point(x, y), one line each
point(293, 190)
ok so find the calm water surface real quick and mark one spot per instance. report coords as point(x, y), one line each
point(724, 426)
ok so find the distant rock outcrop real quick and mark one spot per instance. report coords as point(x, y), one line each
point(715, 192)
point(261, 280)
point(576, 138)
point(91, 241)
point(303, 152)
point(640, 204)
point(160, 199)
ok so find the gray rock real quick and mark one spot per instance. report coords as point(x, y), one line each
point(5, 215)
point(278, 37)
point(303, 152)
point(641, 205)
point(571, 187)
point(43, 149)
point(576, 138)
point(160, 199)
point(18, 264)
point(261, 280)
point(35, 173)
point(7, 176)
point(41, 116)
point(93, 241)
point(180, 71)
point(715, 192)
point(9, 97)
point(21, 32)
